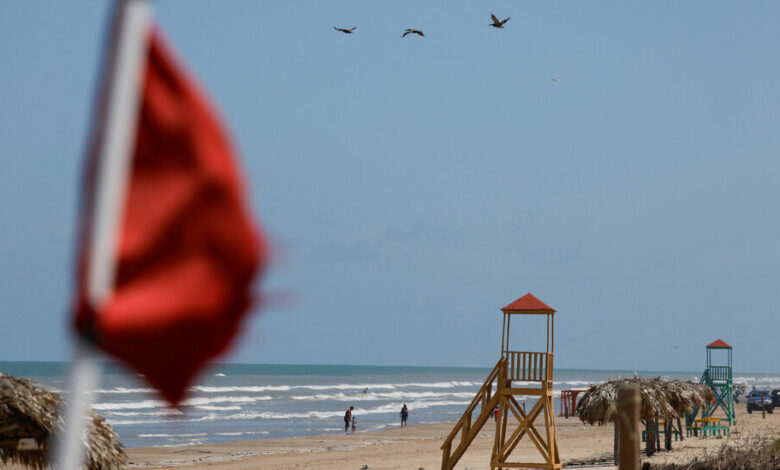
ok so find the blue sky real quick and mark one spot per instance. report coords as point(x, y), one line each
point(412, 187)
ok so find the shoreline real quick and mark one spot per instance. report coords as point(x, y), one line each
point(418, 446)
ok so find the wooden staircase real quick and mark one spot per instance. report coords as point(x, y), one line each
point(485, 401)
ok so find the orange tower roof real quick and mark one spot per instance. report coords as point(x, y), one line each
point(528, 304)
point(719, 343)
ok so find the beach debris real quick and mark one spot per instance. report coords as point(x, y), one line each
point(365, 467)
point(413, 31)
point(496, 23)
point(755, 452)
point(346, 30)
point(30, 413)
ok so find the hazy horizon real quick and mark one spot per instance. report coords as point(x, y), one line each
point(119, 365)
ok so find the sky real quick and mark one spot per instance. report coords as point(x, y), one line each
point(412, 187)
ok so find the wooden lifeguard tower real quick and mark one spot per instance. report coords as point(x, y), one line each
point(719, 378)
point(535, 370)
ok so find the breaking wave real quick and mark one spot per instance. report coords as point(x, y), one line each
point(195, 402)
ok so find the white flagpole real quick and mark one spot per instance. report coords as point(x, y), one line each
point(124, 77)
point(84, 377)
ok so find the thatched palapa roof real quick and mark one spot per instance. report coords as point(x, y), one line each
point(27, 411)
point(667, 399)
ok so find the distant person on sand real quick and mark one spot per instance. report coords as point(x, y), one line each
point(404, 415)
point(348, 419)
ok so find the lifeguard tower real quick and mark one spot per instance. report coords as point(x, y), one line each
point(535, 372)
point(719, 379)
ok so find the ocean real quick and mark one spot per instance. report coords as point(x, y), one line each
point(254, 401)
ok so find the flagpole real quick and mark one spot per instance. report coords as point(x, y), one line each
point(123, 82)
point(84, 377)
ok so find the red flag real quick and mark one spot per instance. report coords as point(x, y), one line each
point(186, 251)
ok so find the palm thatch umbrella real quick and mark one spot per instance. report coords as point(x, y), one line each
point(661, 399)
point(30, 419)
point(666, 399)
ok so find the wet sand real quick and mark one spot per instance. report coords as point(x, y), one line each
point(418, 447)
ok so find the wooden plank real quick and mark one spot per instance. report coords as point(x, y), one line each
point(508, 329)
point(552, 337)
point(526, 357)
point(521, 366)
point(527, 372)
point(525, 391)
point(554, 442)
point(511, 364)
point(498, 428)
point(547, 412)
point(526, 465)
point(550, 367)
point(503, 336)
point(537, 358)
point(548, 334)
point(505, 412)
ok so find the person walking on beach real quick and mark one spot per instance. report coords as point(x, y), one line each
point(348, 419)
point(404, 415)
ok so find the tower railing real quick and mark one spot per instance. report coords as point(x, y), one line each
point(528, 366)
point(719, 372)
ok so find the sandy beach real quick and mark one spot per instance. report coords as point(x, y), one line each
point(419, 447)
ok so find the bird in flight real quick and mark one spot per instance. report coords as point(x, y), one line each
point(412, 31)
point(345, 30)
point(496, 23)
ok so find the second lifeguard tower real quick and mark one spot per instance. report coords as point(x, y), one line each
point(718, 376)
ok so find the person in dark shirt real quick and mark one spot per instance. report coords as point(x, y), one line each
point(348, 419)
